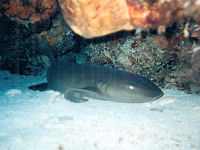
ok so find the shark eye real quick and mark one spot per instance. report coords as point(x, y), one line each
point(131, 87)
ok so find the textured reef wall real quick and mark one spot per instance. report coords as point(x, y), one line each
point(29, 11)
point(164, 47)
point(94, 18)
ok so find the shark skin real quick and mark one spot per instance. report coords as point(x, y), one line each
point(79, 82)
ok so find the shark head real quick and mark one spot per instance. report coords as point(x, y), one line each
point(133, 89)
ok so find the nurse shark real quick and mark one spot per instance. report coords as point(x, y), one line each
point(79, 82)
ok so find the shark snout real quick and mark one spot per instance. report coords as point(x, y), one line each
point(155, 93)
point(159, 94)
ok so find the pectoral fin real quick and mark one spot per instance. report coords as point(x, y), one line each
point(76, 95)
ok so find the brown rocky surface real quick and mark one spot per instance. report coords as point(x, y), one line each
point(93, 18)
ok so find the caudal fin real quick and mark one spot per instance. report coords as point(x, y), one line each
point(39, 87)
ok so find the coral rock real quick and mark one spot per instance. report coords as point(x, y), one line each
point(29, 12)
point(93, 18)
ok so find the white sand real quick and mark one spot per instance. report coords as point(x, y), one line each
point(32, 120)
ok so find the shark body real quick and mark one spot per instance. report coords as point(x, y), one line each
point(81, 81)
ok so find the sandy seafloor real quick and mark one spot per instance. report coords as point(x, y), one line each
point(33, 120)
